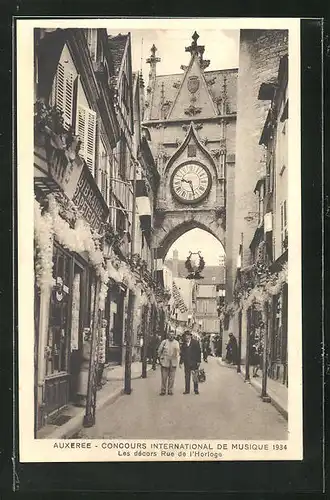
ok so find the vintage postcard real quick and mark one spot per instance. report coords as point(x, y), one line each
point(159, 231)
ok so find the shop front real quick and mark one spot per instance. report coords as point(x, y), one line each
point(69, 313)
point(68, 266)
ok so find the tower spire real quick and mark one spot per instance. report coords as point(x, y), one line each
point(152, 60)
point(197, 50)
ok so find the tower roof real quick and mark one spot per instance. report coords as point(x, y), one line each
point(170, 84)
point(195, 93)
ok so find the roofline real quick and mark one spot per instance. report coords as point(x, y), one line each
point(205, 72)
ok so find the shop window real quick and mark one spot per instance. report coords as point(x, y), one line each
point(58, 333)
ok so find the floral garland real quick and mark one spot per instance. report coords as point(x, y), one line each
point(81, 239)
point(44, 236)
point(77, 239)
point(259, 295)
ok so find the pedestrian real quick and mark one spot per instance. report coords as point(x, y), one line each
point(191, 359)
point(153, 350)
point(168, 353)
point(205, 347)
point(232, 350)
point(256, 355)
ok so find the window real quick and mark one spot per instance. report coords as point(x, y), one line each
point(284, 230)
point(86, 129)
point(123, 158)
point(125, 91)
point(191, 150)
point(222, 162)
point(261, 203)
point(283, 149)
point(270, 174)
point(92, 43)
point(62, 93)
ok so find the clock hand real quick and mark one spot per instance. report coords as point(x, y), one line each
point(192, 188)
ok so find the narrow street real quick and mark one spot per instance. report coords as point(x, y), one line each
point(226, 408)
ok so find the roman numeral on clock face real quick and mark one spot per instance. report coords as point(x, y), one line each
point(190, 182)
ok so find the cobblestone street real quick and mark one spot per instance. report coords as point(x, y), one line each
point(226, 408)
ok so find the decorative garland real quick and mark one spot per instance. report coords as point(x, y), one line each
point(192, 272)
point(80, 238)
point(77, 239)
point(260, 294)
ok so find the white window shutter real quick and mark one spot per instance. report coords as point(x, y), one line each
point(60, 87)
point(68, 104)
point(63, 94)
point(86, 128)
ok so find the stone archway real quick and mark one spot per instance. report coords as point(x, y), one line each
point(175, 225)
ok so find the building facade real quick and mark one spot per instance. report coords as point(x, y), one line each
point(259, 248)
point(210, 293)
point(191, 117)
point(92, 232)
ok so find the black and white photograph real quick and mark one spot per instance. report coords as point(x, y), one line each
point(159, 239)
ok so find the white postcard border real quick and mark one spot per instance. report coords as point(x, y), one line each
point(46, 450)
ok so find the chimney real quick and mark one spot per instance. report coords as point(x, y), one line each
point(175, 269)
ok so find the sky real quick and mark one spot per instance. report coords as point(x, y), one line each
point(221, 48)
point(195, 240)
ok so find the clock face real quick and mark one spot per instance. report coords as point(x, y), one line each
point(190, 183)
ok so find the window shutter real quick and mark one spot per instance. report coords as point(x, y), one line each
point(64, 83)
point(86, 128)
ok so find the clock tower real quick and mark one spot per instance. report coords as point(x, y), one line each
point(191, 117)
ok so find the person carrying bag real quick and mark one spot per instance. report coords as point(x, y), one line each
point(191, 359)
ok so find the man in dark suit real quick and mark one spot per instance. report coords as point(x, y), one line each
point(191, 358)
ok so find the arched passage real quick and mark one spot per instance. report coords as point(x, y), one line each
point(170, 232)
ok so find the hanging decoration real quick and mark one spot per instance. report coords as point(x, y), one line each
point(78, 239)
point(193, 268)
point(73, 233)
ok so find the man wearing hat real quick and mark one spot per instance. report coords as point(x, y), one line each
point(168, 353)
point(191, 358)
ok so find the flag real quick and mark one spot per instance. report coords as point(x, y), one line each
point(239, 257)
point(178, 300)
